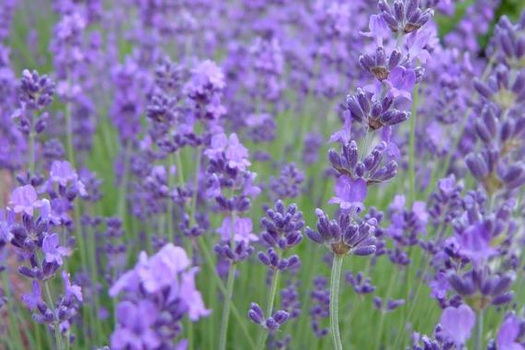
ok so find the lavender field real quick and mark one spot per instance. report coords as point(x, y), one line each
point(262, 174)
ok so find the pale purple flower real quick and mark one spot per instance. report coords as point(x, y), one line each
point(129, 281)
point(207, 74)
point(191, 295)
point(62, 172)
point(250, 189)
point(378, 29)
point(401, 82)
point(242, 230)
point(71, 290)
point(182, 345)
point(233, 151)
point(7, 218)
point(439, 286)
point(391, 148)
point(475, 243)
point(154, 272)
point(343, 135)
point(34, 298)
point(420, 211)
point(447, 185)
point(508, 333)
point(418, 41)
point(236, 154)
point(349, 193)
point(457, 323)
point(217, 146)
point(161, 269)
point(53, 252)
point(24, 200)
point(135, 328)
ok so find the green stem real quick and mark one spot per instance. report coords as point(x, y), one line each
point(412, 146)
point(56, 326)
point(211, 265)
point(226, 310)
point(379, 334)
point(413, 303)
point(335, 280)
point(478, 335)
point(269, 308)
point(94, 277)
point(229, 289)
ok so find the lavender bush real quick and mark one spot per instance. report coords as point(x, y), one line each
point(320, 174)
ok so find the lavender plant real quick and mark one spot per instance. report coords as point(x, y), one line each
point(161, 162)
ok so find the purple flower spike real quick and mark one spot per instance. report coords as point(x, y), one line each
point(457, 323)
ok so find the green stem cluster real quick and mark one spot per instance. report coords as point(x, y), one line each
point(335, 280)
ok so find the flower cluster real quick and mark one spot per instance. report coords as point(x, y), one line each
point(157, 294)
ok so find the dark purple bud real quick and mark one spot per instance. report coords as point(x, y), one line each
point(477, 166)
point(399, 11)
point(256, 314)
point(503, 299)
point(264, 258)
point(482, 89)
point(394, 304)
point(367, 62)
point(280, 316)
point(314, 236)
point(271, 324)
point(503, 284)
point(363, 251)
point(460, 285)
point(394, 59)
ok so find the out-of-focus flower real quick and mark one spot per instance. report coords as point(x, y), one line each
point(457, 323)
point(24, 199)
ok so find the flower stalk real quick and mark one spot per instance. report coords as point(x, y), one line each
point(335, 279)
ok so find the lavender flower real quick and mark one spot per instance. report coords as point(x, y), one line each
point(161, 287)
point(344, 236)
point(24, 199)
point(457, 324)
